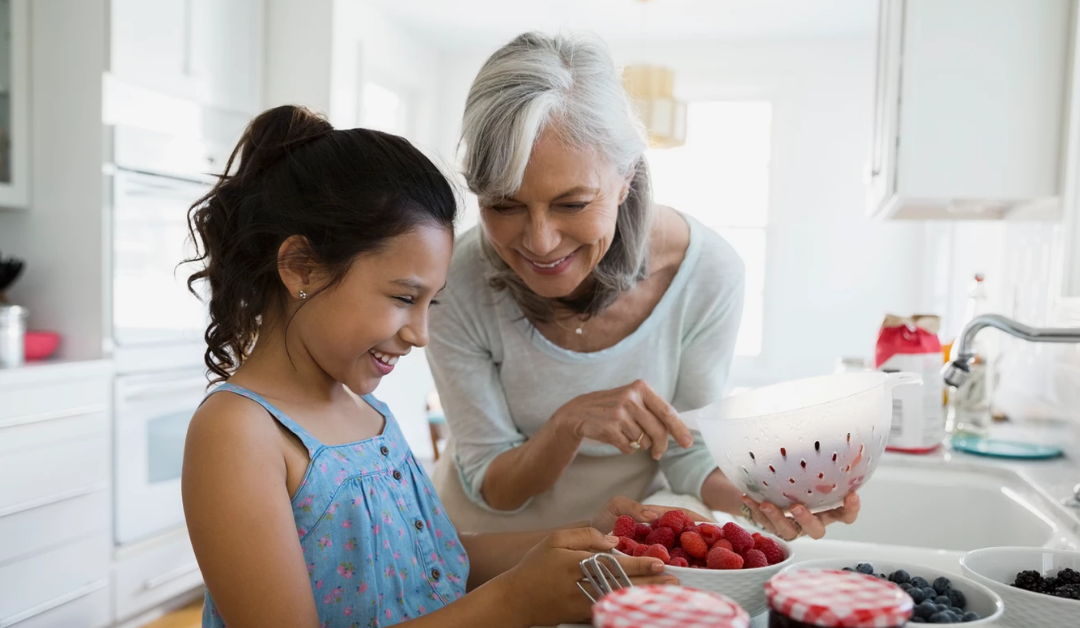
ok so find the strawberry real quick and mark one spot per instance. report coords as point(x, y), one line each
point(694, 545)
point(679, 562)
point(641, 532)
point(720, 558)
point(753, 559)
point(679, 552)
point(626, 545)
point(710, 533)
point(661, 536)
point(640, 550)
point(659, 551)
point(724, 543)
point(740, 539)
point(673, 519)
point(624, 526)
point(771, 549)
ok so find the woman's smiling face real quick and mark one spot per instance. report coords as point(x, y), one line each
point(560, 223)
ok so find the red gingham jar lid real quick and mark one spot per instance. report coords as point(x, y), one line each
point(838, 599)
point(658, 606)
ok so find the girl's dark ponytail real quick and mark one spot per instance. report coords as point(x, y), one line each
point(292, 174)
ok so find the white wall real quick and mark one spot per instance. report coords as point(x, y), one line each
point(61, 236)
point(832, 272)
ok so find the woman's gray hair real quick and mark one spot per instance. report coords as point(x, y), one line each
point(567, 84)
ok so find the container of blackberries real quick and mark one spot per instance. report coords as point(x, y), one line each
point(1038, 585)
point(938, 597)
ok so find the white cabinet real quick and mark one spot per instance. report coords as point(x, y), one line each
point(207, 51)
point(969, 109)
point(14, 104)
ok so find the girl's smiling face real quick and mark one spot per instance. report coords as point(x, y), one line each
point(357, 329)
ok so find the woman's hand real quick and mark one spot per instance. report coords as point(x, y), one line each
point(630, 417)
point(604, 519)
point(543, 585)
point(801, 520)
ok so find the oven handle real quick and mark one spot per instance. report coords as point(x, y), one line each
point(45, 607)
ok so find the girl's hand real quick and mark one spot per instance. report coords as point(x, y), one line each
point(543, 586)
point(604, 519)
point(631, 417)
point(801, 520)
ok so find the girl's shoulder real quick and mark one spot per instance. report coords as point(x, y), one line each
point(233, 421)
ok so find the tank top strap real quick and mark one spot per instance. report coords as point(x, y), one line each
point(305, 437)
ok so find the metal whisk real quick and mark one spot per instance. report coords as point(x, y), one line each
point(604, 574)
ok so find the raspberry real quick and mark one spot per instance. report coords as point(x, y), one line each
point(640, 550)
point(710, 533)
point(753, 559)
point(679, 562)
point(724, 543)
point(655, 524)
point(720, 558)
point(658, 551)
point(679, 552)
point(626, 545)
point(757, 536)
point(740, 539)
point(689, 526)
point(673, 519)
point(773, 553)
point(661, 536)
point(694, 544)
point(641, 532)
point(624, 526)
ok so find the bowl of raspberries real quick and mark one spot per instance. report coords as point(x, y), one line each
point(714, 557)
point(1040, 587)
point(938, 597)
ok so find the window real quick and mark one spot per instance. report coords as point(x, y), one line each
point(721, 178)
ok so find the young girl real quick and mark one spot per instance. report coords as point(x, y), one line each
point(323, 251)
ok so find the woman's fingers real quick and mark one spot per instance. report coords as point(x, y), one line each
point(664, 579)
point(666, 414)
point(758, 516)
point(640, 566)
point(812, 526)
point(655, 431)
point(784, 527)
point(847, 513)
point(582, 540)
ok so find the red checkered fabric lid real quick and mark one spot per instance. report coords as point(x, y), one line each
point(657, 606)
point(838, 599)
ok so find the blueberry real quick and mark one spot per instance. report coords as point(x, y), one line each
point(925, 609)
point(943, 599)
point(942, 585)
point(938, 618)
point(900, 577)
point(865, 568)
point(917, 595)
point(959, 612)
point(957, 598)
point(920, 582)
point(941, 608)
point(971, 616)
point(929, 592)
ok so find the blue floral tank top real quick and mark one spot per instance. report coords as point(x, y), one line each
point(378, 546)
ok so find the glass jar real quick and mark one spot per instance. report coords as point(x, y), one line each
point(826, 598)
point(655, 604)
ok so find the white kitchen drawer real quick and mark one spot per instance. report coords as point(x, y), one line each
point(44, 398)
point(32, 475)
point(150, 573)
point(87, 607)
point(67, 570)
point(32, 431)
point(55, 521)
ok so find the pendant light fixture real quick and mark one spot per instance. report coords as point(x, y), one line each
point(652, 90)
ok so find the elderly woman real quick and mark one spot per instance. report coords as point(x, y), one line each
point(579, 317)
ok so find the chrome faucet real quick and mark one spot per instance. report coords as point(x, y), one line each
point(956, 372)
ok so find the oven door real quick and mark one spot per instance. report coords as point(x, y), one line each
point(152, 415)
point(151, 305)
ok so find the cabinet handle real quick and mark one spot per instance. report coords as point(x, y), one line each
point(168, 577)
point(54, 498)
point(45, 607)
point(52, 416)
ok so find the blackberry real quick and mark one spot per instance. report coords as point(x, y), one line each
point(1067, 591)
point(1049, 584)
point(1029, 581)
point(1068, 576)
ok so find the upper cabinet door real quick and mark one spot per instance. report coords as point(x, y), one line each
point(14, 104)
point(974, 110)
point(208, 51)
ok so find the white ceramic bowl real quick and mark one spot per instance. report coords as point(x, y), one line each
point(811, 441)
point(996, 567)
point(980, 598)
point(745, 586)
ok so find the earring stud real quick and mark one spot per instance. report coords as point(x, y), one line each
point(302, 295)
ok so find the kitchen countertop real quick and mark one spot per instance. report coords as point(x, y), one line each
point(49, 370)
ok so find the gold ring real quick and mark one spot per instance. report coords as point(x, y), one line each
point(637, 444)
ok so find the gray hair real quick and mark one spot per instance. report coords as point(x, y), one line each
point(568, 84)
